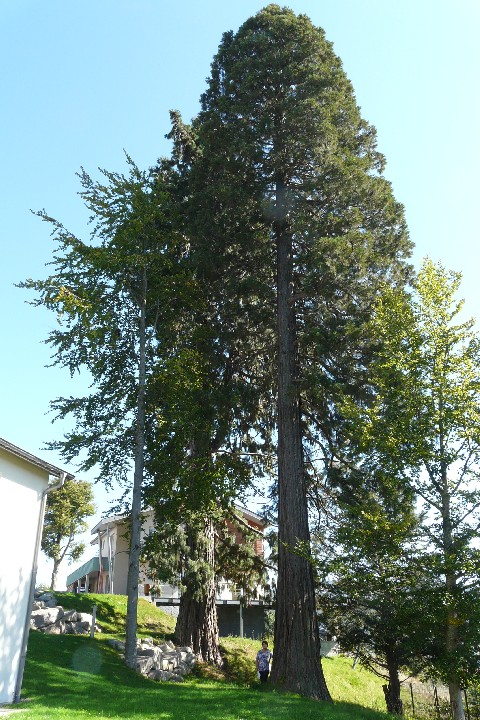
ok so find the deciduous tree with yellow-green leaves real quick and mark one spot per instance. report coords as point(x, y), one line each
point(423, 427)
point(65, 518)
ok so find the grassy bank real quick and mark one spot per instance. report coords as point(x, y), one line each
point(75, 678)
point(112, 611)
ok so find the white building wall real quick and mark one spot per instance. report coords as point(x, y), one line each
point(21, 488)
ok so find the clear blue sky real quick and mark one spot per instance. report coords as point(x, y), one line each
point(82, 81)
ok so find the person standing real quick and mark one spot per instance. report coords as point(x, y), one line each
point(264, 658)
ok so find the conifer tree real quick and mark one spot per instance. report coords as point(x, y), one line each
point(199, 463)
point(214, 429)
point(289, 211)
point(109, 294)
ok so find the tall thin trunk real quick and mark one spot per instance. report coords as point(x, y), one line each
point(456, 701)
point(197, 622)
point(53, 583)
point(134, 557)
point(451, 629)
point(296, 664)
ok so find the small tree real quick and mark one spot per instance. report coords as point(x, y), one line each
point(65, 514)
point(371, 587)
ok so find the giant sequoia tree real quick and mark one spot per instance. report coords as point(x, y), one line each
point(287, 201)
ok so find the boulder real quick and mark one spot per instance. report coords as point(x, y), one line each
point(48, 599)
point(144, 664)
point(160, 662)
point(145, 641)
point(46, 616)
point(57, 628)
point(155, 674)
point(84, 618)
point(56, 621)
point(152, 652)
point(174, 677)
point(117, 645)
point(80, 628)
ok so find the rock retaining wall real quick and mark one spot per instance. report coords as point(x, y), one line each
point(50, 618)
point(160, 662)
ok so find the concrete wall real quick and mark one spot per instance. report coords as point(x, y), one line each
point(21, 488)
point(253, 621)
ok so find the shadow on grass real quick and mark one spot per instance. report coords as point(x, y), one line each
point(72, 677)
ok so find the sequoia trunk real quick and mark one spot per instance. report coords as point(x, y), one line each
point(296, 664)
point(197, 622)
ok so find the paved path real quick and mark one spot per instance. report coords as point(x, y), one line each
point(9, 711)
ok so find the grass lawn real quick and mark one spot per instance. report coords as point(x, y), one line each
point(74, 677)
point(112, 610)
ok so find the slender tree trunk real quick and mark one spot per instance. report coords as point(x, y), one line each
point(296, 664)
point(134, 557)
point(392, 690)
point(451, 645)
point(456, 701)
point(197, 622)
point(451, 630)
point(53, 582)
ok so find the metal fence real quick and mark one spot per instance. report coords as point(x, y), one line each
point(431, 702)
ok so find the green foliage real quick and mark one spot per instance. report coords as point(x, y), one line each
point(110, 296)
point(176, 553)
point(237, 560)
point(295, 227)
point(65, 518)
point(372, 591)
point(279, 107)
point(96, 292)
point(279, 152)
point(422, 428)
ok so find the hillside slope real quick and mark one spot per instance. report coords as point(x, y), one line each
point(75, 678)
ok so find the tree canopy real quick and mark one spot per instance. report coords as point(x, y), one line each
point(109, 295)
point(246, 297)
point(65, 518)
point(287, 203)
point(423, 428)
